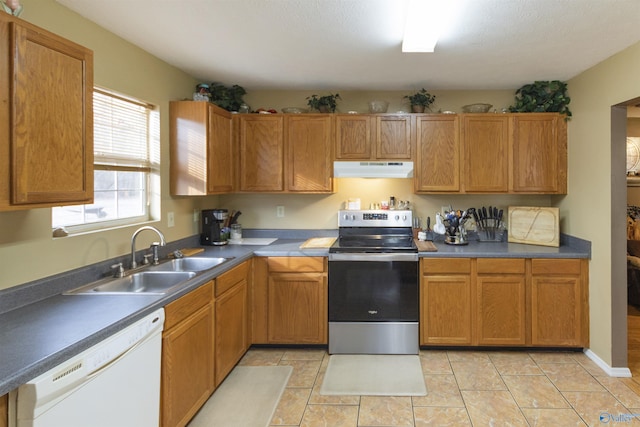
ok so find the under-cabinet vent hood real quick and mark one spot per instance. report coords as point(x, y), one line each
point(378, 169)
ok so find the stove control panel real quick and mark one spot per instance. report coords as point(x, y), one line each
point(375, 218)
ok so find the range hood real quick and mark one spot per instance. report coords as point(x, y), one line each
point(373, 169)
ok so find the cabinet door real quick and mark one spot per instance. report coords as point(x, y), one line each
point(438, 154)
point(201, 149)
point(501, 313)
point(485, 139)
point(539, 154)
point(501, 301)
point(353, 137)
point(297, 308)
point(309, 153)
point(231, 329)
point(261, 153)
point(393, 137)
point(445, 314)
point(187, 369)
point(220, 161)
point(4, 410)
point(558, 303)
point(51, 116)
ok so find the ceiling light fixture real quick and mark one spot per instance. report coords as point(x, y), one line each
point(425, 23)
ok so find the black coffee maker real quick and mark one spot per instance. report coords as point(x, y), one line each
point(213, 233)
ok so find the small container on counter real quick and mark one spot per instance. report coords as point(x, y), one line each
point(236, 232)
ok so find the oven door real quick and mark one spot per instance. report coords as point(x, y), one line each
point(373, 287)
point(373, 303)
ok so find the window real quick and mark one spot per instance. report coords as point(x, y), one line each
point(126, 166)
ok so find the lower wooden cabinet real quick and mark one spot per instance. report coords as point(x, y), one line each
point(501, 302)
point(559, 301)
point(445, 302)
point(187, 378)
point(507, 302)
point(4, 410)
point(290, 300)
point(232, 319)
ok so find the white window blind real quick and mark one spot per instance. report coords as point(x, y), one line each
point(121, 132)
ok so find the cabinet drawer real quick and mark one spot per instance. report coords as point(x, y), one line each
point(296, 264)
point(555, 266)
point(226, 280)
point(500, 265)
point(178, 310)
point(446, 265)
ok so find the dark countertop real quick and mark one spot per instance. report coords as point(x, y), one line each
point(40, 331)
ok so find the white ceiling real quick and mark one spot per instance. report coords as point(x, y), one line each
point(355, 44)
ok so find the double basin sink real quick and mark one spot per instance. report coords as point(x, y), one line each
point(152, 280)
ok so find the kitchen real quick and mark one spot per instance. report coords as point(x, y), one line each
point(29, 253)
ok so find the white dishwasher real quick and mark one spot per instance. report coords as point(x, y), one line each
point(114, 383)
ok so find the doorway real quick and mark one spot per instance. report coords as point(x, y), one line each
point(632, 145)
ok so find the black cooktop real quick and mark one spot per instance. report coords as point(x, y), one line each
point(374, 243)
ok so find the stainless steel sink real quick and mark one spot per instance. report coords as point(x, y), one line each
point(189, 264)
point(145, 282)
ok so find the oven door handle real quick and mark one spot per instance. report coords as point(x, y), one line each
point(373, 257)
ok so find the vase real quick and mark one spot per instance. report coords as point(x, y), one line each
point(417, 108)
point(324, 108)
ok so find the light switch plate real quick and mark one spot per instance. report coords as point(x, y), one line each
point(170, 219)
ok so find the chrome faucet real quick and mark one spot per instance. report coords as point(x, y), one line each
point(134, 264)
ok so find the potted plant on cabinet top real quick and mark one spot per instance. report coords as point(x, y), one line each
point(229, 98)
point(542, 96)
point(420, 100)
point(324, 104)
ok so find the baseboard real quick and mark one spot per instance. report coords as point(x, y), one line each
point(612, 372)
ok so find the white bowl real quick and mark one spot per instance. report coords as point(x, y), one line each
point(378, 106)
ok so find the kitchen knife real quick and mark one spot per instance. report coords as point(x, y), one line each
point(484, 216)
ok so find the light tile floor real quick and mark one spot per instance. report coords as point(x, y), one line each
point(464, 388)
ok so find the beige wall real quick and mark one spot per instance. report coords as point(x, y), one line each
point(591, 186)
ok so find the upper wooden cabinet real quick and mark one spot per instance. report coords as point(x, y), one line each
point(202, 160)
point(437, 166)
point(374, 137)
point(539, 153)
point(308, 144)
point(266, 140)
point(522, 153)
point(261, 144)
point(46, 118)
point(485, 150)
point(353, 137)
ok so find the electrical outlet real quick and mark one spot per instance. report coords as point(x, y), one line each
point(196, 216)
point(170, 219)
point(444, 209)
point(280, 211)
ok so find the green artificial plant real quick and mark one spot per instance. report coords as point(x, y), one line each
point(229, 98)
point(422, 97)
point(325, 103)
point(542, 96)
